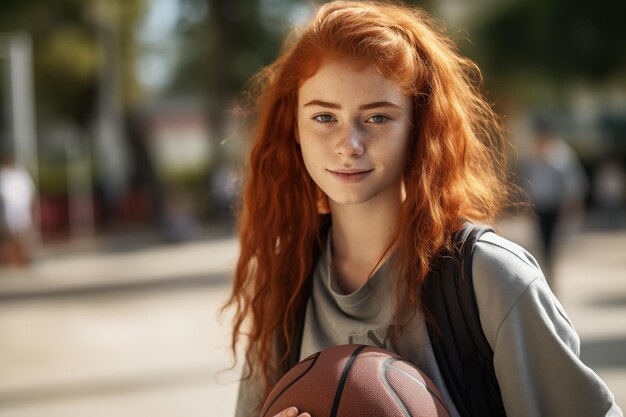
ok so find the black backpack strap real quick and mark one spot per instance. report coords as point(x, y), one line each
point(463, 353)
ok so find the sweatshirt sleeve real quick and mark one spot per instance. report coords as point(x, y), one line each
point(536, 349)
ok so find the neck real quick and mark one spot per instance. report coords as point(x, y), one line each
point(361, 233)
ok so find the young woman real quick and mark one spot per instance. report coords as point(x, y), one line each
point(372, 146)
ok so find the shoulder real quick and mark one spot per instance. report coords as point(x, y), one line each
point(505, 277)
point(495, 255)
point(503, 266)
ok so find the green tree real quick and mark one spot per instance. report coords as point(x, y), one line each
point(67, 53)
point(554, 40)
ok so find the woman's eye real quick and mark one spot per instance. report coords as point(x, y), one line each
point(324, 118)
point(378, 119)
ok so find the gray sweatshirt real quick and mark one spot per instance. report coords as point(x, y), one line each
point(535, 346)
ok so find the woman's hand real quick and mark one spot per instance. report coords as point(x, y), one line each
point(292, 412)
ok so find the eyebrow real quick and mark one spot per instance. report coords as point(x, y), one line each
point(367, 106)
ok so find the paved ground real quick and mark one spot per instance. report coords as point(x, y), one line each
point(132, 330)
point(124, 333)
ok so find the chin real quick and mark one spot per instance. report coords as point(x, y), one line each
point(349, 200)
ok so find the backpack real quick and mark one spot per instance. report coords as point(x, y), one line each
point(463, 353)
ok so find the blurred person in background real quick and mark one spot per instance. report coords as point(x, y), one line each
point(609, 189)
point(556, 184)
point(17, 195)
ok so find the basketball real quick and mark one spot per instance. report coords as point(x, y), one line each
point(356, 381)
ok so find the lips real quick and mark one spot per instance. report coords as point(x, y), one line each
point(350, 175)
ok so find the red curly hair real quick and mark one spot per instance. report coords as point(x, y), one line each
point(455, 169)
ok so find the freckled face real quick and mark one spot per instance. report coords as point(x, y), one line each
point(353, 128)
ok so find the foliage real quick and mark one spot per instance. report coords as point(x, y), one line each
point(558, 40)
point(67, 54)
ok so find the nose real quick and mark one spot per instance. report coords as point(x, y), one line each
point(350, 142)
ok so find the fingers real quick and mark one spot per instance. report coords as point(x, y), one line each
point(291, 412)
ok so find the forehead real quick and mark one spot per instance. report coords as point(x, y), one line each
point(349, 80)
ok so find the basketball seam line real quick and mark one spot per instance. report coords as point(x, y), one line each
point(433, 393)
point(292, 383)
point(342, 380)
point(383, 370)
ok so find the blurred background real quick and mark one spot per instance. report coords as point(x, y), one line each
point(120, 147)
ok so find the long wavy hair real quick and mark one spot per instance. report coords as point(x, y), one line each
point(455, 168)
